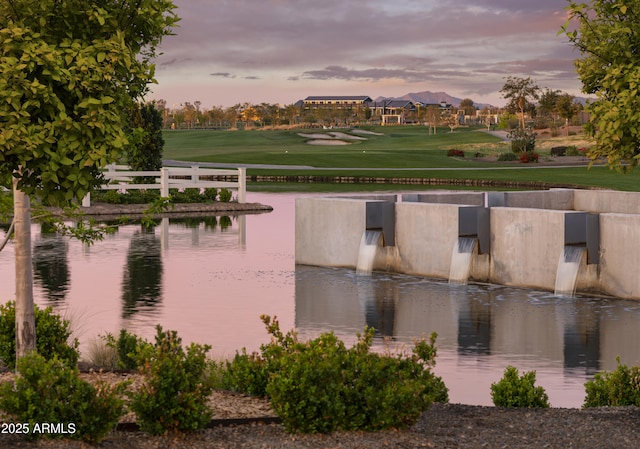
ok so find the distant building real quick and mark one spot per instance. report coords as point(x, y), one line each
point(392, 111)
point(337, 102)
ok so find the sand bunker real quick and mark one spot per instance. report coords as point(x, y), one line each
point(327, 142)
point(344, 136)
point(364, 131)
point(316, 136)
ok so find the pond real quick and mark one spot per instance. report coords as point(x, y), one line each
point(211, 278)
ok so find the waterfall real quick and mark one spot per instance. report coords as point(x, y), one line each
point(568, 266)
point(368, 247)
point(461, 260)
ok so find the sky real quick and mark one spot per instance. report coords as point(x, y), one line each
point(226, 52)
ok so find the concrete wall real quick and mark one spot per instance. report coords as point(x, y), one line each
point(525, 246)
point(557, 199)
point(526, 242)
point(620, 255)
point(607, 201)
point(328, 231)
point(425, 235)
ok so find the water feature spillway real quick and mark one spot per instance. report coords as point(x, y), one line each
point(568, 267)
point(461, 260)
point(371, 240)
point(518, 244)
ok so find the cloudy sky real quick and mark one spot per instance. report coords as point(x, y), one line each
point(279, 51)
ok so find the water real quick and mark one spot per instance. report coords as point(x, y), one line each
point(211, 279)
point(568, 267)
point(367, 253)
point(461, 260)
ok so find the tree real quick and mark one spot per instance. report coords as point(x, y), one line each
point(468, 107)
point(547, 104)
point(69, 71)
point(607, 34)
point(567, 108)
point(521, 92)
point(434, 116)
point(146, 144)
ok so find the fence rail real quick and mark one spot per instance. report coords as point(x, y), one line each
point(120, 177)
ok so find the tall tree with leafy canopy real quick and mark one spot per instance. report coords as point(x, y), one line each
point(69, 70)
point(521, 93)
point(145, 148)
point(607, 34)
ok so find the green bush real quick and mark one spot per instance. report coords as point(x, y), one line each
point(127, 346)
point(246, 373)
point(211, 194)
point(224, 195)
point(250, 373)
point(572, 150)
point(518, 391)
point(178, 382)
point(53, 335)
point(49, 391)
point(505, 157)
point(322, 386)
point(617, 388)
point(522, 140)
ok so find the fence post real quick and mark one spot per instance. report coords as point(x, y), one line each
point(164, 182)
point(195, 177)
point(242, 185)
point(86, 201)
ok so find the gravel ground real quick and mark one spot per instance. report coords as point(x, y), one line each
point(442, 426)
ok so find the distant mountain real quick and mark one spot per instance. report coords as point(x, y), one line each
point(431, 98)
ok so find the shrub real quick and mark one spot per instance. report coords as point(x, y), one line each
point(127, 347)
point(211, 194)
point(177, 385)
point(518, 391)
point(505, 157)
point(455, 153)
point(572, 151)
point(250, 373)
point(49, 391)
point(322, 386)
point(527, 157)
point(53, 335)
point(246, 373)
point(617, 388)
point(224, 195)
point(522, 140)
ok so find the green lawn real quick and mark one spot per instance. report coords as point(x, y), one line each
point(398, 147)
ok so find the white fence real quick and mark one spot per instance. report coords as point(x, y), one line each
point(121, 178)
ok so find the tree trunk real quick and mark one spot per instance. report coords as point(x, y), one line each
point(25, 317)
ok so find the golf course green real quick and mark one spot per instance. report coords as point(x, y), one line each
point(395, 152)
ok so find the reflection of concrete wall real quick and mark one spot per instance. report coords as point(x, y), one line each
point(322, 299)
point(520, 327)
point(619, 336)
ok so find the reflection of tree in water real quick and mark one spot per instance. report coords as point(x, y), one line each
point(50, 264)
point(225, 222)
point(142, 281)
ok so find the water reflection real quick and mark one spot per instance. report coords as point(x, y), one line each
point(142, 274)
point(214, 277)
point(50, 263)
point(476, 324)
